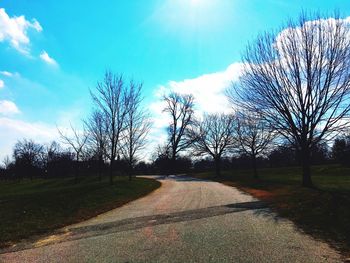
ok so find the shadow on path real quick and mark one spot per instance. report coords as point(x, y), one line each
point(136, 223)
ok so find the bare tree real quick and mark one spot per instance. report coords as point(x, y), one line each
point(161, 158)
point(96, 126)
point(299, 81)
point(7, 162)
point(52, 151)
point(180, 109)
point(28, 155)
point(254, 135)
point(214, 136)
point(76, 141)
point(137, 127)
point(111, 99)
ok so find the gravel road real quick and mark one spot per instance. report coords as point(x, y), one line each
point(185, 220)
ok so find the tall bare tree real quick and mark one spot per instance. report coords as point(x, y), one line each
point(299, 80)
point(214, 136)
point(254, 135)
point(180, 109)
point(77, 141)
point(137, 126)
point(111, 99)
point(96, 126)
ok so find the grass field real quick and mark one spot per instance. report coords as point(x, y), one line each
point(323, 212)
point(36, 207)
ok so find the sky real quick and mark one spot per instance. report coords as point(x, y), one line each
point(53, 52)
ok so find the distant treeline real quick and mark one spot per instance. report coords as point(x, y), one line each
point(34, 160)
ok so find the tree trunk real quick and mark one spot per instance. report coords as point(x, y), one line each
point(130, 171)
point(217, 166)
point(255, 170)
point(305, 160)
point(100, 168)
point(76, 171)
point(111, 171)
point(173, 161)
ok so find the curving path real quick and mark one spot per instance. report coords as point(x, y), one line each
point(185, 220)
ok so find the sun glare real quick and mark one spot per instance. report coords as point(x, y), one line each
point(195, 2)
point(187, 16)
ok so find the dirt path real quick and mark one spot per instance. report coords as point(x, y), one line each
point(185, 220)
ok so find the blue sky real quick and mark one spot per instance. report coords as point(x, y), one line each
point(53, 52)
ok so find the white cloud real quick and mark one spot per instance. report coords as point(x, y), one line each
point(15, 30)
point(12, 130)
point(49, 60)
point(8, 107)
point(208, 91)
point(6, 73)
point(2, 84)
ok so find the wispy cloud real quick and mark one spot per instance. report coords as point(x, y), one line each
point(46, 58)
point(15, 30)
point(2, 84)
point(6, 73)
point(8, 107)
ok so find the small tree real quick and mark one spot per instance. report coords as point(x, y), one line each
point(28, 157)
point(137, 127)
point(7, 162)
point(52, 153)
point(214, 136)
point(97, 131)
point(180, 109)
point(341, 150)
point(76, 141)
point(254, 136)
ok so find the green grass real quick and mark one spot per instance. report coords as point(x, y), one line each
point(323, 212)
point(29, 208)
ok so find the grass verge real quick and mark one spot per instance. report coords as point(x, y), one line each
point(29, 208)
point(323, 212)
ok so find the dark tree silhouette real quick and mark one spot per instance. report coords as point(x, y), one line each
point(341, 150)
point(180, 109)
point(137, 127)
point(254, 135)
point(214, 136)
point(111, 99)
point(52, 152)
point(161, 159)
point(6, 162)
point(299, 80)
point(97, 137)
point(28, 157)
point(77, 141)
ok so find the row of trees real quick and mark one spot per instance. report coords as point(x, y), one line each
point(117, 127)
point(240, 137)
point(32, 159)
point(114, 133)
point(295, 86)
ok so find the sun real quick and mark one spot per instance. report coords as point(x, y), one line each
point(196, 2)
